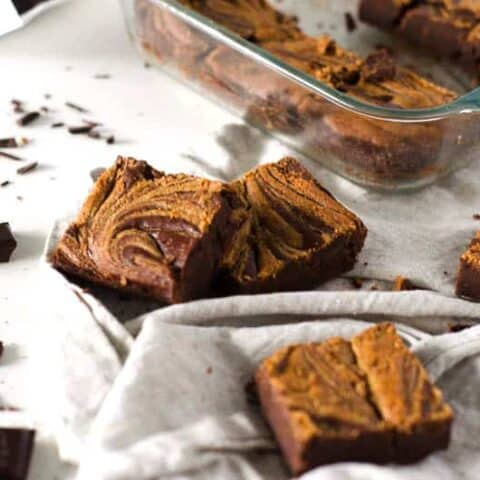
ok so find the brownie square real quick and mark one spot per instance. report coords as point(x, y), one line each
point(290, 232)
point(142, 231)
point(367, 400)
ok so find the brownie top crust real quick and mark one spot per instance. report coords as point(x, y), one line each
point(284, 217)
point(376, 79)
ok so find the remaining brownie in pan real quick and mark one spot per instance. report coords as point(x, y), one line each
point(448, 28)
point(143, 231)
point(367, 400)
point(468, 279)
point(291, 233)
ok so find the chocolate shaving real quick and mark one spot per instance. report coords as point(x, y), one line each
point(58, 125)
point(5, 183)
point(28, 118)
point(76, 107)
point(80, 129)
point(13, 142)
point(350, 22)
point(27, 168)
point(10, 156)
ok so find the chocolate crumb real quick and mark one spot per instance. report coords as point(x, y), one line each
point(445, 273)
point(476, 216)
point(28, 118)
point(27, 168)
point(102, 76)
point(57, 125)
point(5, 183)
point(110, 140)
point(76, 107)
point(401, 284)
point(350, 22)
point(10, 156)
point(356, 282)
point(251, 393)
point(458, 327)
point(93, 134)
point(365, 264)
point(96, 172)
point(48, 96)
point(147, 65)
point(379, 67)
point(7, 242)
point(80, 129)
point(209, 370)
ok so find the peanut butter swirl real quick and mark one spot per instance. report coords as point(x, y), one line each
point(289, 229)
point(145, 231)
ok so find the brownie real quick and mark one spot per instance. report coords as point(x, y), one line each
point(468, 278)
point(367, 400)
point(273, 102)
point(446, 28)
point(291, 233)
point(149, 233)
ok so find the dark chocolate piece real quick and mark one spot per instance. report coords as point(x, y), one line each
point(10, 156)
point(81, 129)
point(149, 233)
point(16, 447)
point(368, 400)
point(468, 278)
point(76, 107)
point(7, 242)
point(28, 118)
point(27, 168)
point(290, 233)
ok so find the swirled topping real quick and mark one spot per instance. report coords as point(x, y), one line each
point(284, 222)
point(155, 234)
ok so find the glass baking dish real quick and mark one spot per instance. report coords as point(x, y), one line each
point(387, 148)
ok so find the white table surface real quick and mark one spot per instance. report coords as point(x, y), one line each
point(59, 53)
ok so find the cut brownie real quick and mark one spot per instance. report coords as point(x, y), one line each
point(446, 28)
point(292, 234)
point(366, 400)
point(143, 231)
point(403, 393)
point(316, 400)
point(468, 279)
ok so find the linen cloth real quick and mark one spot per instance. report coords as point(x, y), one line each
point(419, 235)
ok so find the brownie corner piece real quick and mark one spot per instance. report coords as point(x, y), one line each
point(148, 233)
point(468, 277)
point(315, 399)
point(403, 393)
point(291, 232)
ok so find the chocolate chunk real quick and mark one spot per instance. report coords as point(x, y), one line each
point(379, 67)
point(81, 129)
point(350, 22)
point(7, 242)
point(5, 183)
point(168, 250)
point(16, 447)
point(28, 118)
point(110, 140)
point(368, 400)
point(27, 168)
